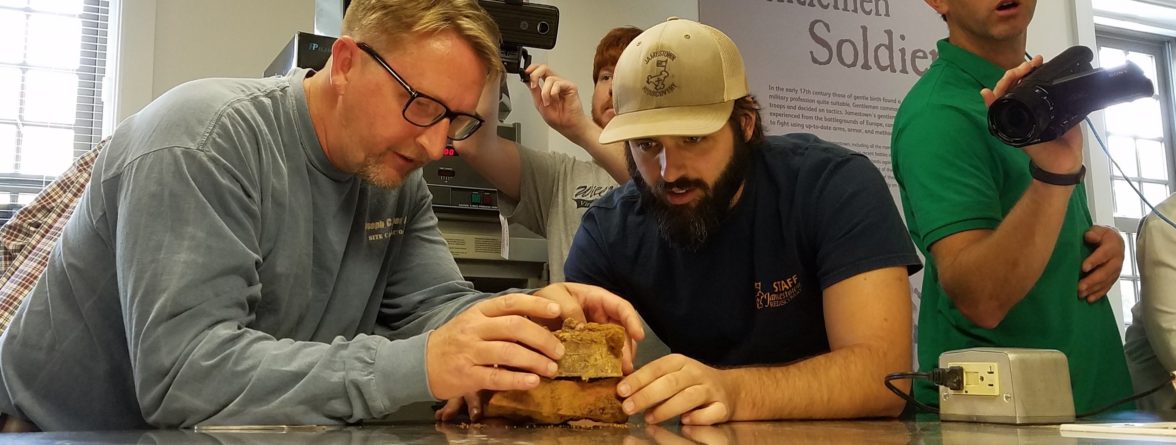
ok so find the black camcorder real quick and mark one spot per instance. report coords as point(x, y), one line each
point(1059, 94)
point(522, 25)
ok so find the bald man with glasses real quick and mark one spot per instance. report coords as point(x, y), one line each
point(264, 251)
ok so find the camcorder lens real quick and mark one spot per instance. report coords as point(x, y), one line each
point(1015, 120)
point(1021, 117)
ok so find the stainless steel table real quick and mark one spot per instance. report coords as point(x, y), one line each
point(922, 431)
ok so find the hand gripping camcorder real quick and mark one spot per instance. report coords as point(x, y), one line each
point(1059, 94)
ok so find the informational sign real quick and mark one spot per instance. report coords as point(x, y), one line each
point(835, 68)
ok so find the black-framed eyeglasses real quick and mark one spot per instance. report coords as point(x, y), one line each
point(423, 111)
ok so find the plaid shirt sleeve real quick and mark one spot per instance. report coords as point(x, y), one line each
point(28, 238)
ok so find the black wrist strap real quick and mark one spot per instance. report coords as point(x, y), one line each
point(1054, 178)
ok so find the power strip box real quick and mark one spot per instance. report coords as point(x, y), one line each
point(1008, 385)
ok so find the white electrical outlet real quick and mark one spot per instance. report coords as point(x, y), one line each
point(981, 379)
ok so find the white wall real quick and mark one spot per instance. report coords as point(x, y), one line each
point(169, 42)
point(581, 25)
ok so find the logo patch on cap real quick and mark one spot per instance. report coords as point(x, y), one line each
point(656, 84)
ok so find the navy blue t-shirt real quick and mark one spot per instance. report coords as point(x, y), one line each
point(812, 214)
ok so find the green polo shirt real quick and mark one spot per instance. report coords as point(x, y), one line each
point(955, 177)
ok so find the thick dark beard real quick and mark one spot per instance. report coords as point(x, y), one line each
point(689, 227)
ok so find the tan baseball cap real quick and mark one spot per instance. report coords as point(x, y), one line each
point(678, 78)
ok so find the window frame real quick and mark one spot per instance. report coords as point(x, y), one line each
point(1161, 47)
point(88, 122)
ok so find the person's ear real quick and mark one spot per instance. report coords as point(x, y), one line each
point(342, 62)
point(940, 6)
point(747, 125)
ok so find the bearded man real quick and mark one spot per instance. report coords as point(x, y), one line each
point(774, 268)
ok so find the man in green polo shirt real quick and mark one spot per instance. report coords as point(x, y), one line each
point(1012, 257)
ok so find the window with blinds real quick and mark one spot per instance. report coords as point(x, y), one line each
point(52, 68)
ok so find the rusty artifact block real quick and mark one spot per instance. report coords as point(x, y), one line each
point(592, 350)
point(585, 387)
point(559, 401)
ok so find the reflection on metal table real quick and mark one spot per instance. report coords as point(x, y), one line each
point(922, 431)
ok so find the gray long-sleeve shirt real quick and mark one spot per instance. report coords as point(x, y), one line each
point(220, 270)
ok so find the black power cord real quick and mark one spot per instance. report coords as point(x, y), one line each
point(951, 377)
point(1149, 391)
